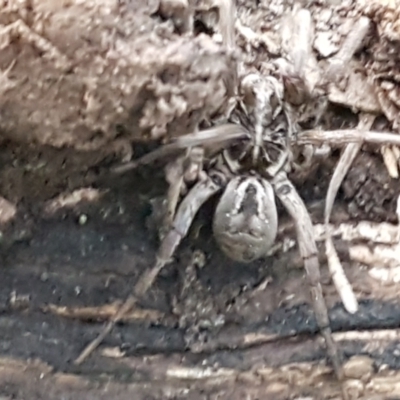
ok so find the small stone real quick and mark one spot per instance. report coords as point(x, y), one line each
point(7, 210)
point(83, 219)
point(359, 367)
point(44, 277)
point(354, 388)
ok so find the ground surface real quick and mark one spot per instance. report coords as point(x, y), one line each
point(53, 261)
point(209, 328)
point(99, 74)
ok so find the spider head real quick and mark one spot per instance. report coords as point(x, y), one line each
point(261, 96)
point(246, 221)
point(261, 101)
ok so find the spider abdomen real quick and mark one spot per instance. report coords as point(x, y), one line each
point(246, 221)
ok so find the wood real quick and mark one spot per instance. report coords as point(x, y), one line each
point(268, 346)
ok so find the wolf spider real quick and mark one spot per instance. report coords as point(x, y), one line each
point(248, 161)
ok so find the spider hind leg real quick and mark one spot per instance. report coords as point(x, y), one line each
point(289, 197)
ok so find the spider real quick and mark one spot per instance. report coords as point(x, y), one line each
point(247, 161)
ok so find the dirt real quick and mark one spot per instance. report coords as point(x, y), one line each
point(99, 75)
point(370, 194)
point(103, 75)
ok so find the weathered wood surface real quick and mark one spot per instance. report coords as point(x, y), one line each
point(266, 349)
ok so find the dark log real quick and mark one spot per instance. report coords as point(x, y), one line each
point(268, 348)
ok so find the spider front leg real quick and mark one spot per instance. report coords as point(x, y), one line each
point(185, 214)
point(288, 195)
point(185, 169)
point(190, 205)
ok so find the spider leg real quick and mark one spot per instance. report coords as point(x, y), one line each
point(341, 137)
point(214, 138)
point(187, 210)
point(183, 170)
point(288, 195)
point(175, 178)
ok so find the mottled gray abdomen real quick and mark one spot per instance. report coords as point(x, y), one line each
point(246, 221)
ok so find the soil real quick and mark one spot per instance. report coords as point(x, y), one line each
point(99, 75)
